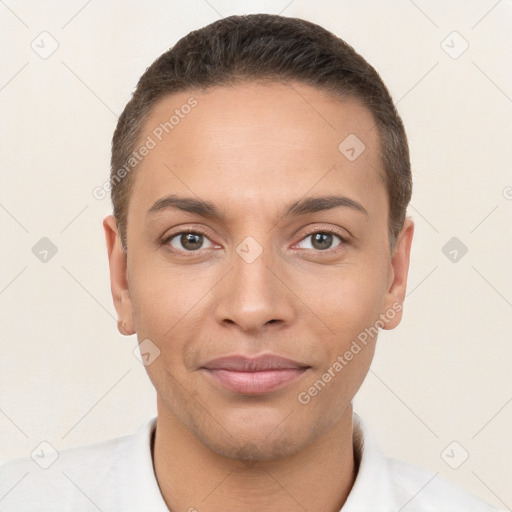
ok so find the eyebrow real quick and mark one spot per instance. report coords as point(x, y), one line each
point(208, 209)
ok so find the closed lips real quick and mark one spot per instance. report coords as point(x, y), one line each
point(257, 364)
point(254, 376)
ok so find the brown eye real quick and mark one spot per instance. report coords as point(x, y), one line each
point(187, 241)
point(322, 240)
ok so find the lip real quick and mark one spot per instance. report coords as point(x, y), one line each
point(254, 375)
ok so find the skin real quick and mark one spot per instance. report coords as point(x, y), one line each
point(252, 149)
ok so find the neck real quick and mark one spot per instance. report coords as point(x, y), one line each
point(317, 478)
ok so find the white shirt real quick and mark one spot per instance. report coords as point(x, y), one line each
point(117, 476)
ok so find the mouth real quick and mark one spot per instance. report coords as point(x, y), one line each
point(254, 375)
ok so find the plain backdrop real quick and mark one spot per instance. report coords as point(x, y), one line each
point(440, 386)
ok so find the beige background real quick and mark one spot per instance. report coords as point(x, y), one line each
point(443, 375)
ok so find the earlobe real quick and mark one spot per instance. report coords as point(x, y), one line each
point(124, 328)
point(118, 280)
point(399, 269)
point(125, 323)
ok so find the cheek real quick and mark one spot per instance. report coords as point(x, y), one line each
point(350, 306)
point(350, 299)
point(168, 307)
point(328, 393)
point(161, 298)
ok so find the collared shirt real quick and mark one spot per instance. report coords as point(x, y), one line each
point(117, 475)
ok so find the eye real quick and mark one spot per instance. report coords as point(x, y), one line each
point(322, 240)
point(187, 241)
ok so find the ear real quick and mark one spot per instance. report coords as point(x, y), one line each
point(399, 269)
point(117, 260)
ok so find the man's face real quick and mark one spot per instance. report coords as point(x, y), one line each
point(301, 286)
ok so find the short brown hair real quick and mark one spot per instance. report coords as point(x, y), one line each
point(265, 47)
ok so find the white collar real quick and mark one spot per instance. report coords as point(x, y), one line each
point(373, 488)
point(137, 484)
point(138, 488)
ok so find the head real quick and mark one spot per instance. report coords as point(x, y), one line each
point(260, 179)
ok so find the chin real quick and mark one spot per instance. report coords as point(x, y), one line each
point(254, 442)
point(257, 449)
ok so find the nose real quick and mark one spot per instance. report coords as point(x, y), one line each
point(254, 294)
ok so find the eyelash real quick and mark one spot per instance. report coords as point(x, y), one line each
point(343, 241)
point(331, 231)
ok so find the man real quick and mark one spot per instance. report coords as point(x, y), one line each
point(260, 179)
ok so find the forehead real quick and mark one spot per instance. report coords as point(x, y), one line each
point(253, 144)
